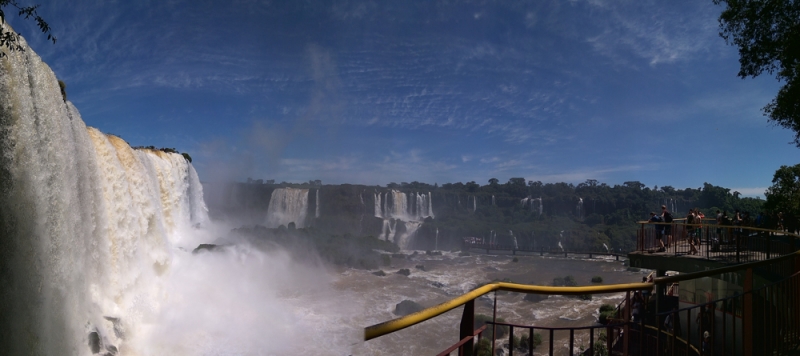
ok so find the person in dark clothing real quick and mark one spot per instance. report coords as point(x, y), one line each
point(659, 229)
point(667, 217)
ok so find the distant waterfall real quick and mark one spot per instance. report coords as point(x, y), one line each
point(493, 200)
point(514, 238)
point(287, 205)
point(405, 238)
point(474, 204)
point(579, 208)
point(389, 229)
point(403, 206)
point(316, 215)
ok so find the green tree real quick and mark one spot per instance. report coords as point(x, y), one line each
point(784, 194)
point(9, 39)
point(767, 33)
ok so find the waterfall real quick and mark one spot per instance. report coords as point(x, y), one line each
point(516, 247)
point(436, 244)
point(87, 222)
point(287, 205)
point(378, 210)
point(493, 199)
point(561, 247)
point(405, 238)
point(474, 204)
point(579, 208)
point(606, 246)
point(316, 215)
point(389, 228)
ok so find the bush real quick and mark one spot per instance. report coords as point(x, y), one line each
point(187, 157)
point(481, 319)
point(483, 347)
point(521, 342)
point(597, 279)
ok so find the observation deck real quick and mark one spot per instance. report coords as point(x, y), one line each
point(737, 292)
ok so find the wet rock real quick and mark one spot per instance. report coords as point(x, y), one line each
point(405, 271)
point(433, 253)
point(463, 254)
point(437, 284)
point(94, 342)
point(119, 331)
point(535, 298)
point(379, 273)
point(420, 267)
point(399, 255)
point(112, 350)
point(407, 307)
point(207, 247)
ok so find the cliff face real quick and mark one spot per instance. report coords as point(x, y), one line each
point(413, 218)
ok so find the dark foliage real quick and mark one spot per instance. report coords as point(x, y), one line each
point(768, 36)
point(11, 40)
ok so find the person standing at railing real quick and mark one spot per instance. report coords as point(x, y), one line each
point(667, 217)
point(699, 221)
point(690, 231)
point(659, 230)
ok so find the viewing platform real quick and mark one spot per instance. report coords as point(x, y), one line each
point(736, 292)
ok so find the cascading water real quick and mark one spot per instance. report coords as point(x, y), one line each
point(407, 208)
point(606, 246)
point(514, 238)
point(96, 245)
point(88, 223)
point(579, 208)
point(474, 204)
point(287, 205)
point(316, 215)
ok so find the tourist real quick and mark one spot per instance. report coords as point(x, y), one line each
point(659, 230)
point(706, 346)
point(699, 221)
point(667, 217)
point(690, 231)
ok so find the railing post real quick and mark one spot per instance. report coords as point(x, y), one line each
point(747, 317)
point(467, 328)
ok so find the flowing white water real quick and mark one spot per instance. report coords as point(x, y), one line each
point(287, 205)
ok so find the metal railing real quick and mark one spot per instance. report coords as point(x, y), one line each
point(756, 321)
point(724, 243)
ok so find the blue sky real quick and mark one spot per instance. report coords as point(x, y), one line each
point(432, 91)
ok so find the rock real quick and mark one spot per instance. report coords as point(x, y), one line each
point(531, 297)
point(437, 284)
point(94, 342)
point(463, 254)
point(404, 272)
point(380, 273)
point(420, 267)
point(399, 255)
point(112, 350)
point(433, 253)
point(207, 247)
point(407, 307)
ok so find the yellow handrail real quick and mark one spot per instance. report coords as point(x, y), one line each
point(393, 325)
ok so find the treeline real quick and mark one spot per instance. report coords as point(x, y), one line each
point(588, 216)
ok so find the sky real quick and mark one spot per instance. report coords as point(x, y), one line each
point(373, 92)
